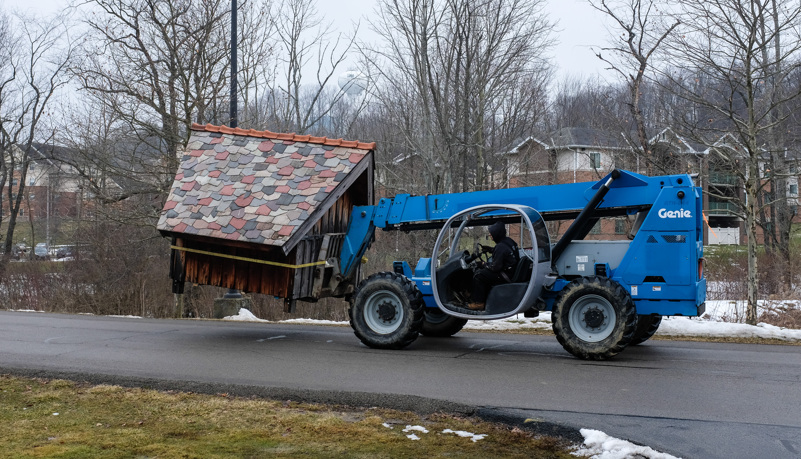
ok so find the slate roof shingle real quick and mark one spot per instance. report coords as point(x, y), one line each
point(256, 186)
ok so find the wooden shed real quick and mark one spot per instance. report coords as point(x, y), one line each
point(260, 212)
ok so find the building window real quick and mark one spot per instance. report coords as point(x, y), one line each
point(31, 181)
point(596, 228)
point(14, 182)
point(794, 189)
point(595, 160)
point(620, 226)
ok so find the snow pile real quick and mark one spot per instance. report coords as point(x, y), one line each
point(245, 316)
point(599, 445)
point(686, 326)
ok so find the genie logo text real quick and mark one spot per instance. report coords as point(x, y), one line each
point(681, 213)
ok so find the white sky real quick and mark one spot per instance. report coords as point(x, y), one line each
point(579, 27)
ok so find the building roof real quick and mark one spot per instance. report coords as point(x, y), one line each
point(585, 137)
point(259, 186)
point(49, 153)
point(520, 143)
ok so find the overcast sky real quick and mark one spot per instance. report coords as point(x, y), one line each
point(579, 27)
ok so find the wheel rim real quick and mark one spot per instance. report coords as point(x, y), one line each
point(435, 316)
point(592, 318)
point(383, 312)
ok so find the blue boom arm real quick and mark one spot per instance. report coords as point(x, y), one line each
point(628, 194)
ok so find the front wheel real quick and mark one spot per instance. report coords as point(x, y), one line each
point(440, 325)
point(386, 311)
point(594, 318)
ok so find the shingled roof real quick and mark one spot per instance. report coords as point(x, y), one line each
point(259, 186)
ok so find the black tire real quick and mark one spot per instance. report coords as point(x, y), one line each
point(594, 318)
point(386, 311)
point(437, 324)
point(646, 327)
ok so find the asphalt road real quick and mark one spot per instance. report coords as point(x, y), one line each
point(692, 400)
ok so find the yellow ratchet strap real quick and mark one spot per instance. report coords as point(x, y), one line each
point(252, 260)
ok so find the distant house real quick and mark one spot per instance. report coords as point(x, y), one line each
point(53, 189)
point(566, 155)
point(583, 154)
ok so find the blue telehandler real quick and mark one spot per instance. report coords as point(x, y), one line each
point(604, 295)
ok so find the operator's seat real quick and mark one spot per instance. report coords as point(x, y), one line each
point(524, 268)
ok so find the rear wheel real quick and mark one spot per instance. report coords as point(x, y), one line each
point(646, 327)
point(386, 311)
point(439, 325)
point(594, 318)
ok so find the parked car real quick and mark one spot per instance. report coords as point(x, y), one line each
point(63, 251)
point(41, 251)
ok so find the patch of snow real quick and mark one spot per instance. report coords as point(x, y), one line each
point(686, 326)
point(598, 445)
point(412, 437)
point(473, 437)
point(410, 428)
point(541, 322)
point(245, 316)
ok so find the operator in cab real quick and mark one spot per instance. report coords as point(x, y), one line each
point(499, 268)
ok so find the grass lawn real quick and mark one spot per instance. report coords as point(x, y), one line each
point(58, 418)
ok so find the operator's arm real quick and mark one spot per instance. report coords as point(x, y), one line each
point(499, 254)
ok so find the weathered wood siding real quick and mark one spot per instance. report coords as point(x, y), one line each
point(254, 277)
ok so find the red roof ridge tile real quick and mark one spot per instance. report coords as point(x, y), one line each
point(306, 138)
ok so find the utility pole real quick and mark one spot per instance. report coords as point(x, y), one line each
point(232, 292)
point(233, 121)
point(233, 300)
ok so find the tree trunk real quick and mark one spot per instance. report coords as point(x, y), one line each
point(750, 233)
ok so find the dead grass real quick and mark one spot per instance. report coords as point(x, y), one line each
point(58, 418)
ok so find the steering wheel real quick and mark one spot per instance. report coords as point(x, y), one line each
point(482, 252)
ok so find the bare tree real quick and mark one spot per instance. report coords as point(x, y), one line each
point(257, 48)
point(639, 31)
point(734, 63)
point(308, 55)
point(158, 65)
point(450, 73)
point(32, 71)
